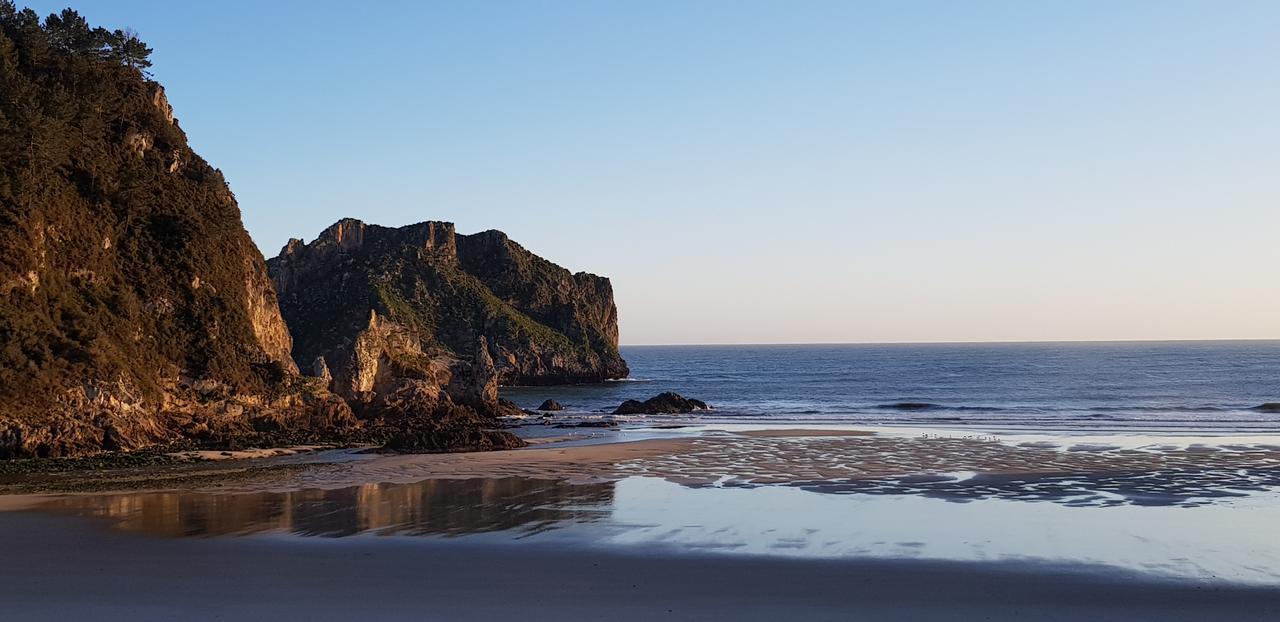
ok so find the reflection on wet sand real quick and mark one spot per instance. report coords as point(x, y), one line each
point(432, 507)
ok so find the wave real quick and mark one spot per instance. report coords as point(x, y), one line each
point(1092, 411)
point(925, 406)
point(1177, 408)
point(910, 406)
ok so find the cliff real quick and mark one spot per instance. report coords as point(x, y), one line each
point(134, 308)
point(373, 307)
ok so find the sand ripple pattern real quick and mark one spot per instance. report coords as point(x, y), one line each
point(958, 469)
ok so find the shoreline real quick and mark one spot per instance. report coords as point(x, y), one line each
point(686, 524)
point(766, 454)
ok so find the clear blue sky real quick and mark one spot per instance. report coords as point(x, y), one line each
point(775, 171)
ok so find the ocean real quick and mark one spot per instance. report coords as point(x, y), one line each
point(1100, 386)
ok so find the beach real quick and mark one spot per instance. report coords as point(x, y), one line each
point(73, 570)
point(701, 522)
point(690, 311)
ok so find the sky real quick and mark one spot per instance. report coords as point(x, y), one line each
point(774, 172)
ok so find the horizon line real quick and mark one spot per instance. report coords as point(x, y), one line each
point(958, 342)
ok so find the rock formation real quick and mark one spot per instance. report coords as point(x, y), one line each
point(661, 404)
point(420, 324)
point(134, 308)
point(550, 406)
point(439, 293)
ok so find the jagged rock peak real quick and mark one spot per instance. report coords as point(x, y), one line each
point(350, 234)
point(346, 234)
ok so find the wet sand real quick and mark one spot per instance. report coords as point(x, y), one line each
point(533, 533)
point(804, 457)
point(71, 569)
point(801, 433)
point(820, 457)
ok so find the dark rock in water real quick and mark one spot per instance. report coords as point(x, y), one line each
point(551, 405)
point(663, 403)
point(630, 407)
point(134, 308)
point(1269, 407)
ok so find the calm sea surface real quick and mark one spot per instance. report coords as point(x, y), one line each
point(1125, 385)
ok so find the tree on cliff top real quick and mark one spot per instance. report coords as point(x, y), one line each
point(107, 218)
point(68, 31)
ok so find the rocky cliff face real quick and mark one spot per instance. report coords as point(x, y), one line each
point(578, 307)
point(135, 308)
point(378, 307)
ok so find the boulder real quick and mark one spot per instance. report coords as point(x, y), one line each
point(661, 404)
point(550, 405)
point(438, 439)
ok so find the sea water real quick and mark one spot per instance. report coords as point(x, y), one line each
point(1126, 386)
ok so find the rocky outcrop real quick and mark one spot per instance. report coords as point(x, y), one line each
point(134, 308)
point(455, 431)
point(542, 324)
point(550, 406)
point(418, 399)
point(419, 324)
point(661, 404)
point(576, 307)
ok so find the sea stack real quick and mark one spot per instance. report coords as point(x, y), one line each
point(424, 290)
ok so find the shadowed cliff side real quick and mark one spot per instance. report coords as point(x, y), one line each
point(134, 308)
point(366, 302)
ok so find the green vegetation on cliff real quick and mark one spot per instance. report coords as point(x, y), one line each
point(135, 310)
point(130, 293)
point(108, 220)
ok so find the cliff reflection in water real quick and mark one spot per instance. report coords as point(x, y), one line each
point(432, 507)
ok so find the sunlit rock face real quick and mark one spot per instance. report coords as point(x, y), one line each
point(134, 307)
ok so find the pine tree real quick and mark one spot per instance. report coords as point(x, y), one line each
point(132, 51)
